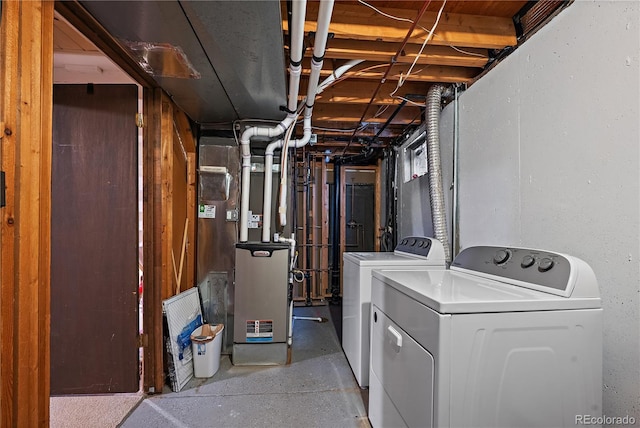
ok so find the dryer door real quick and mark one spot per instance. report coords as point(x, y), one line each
point(401, 377)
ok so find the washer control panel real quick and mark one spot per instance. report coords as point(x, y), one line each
point(419, 245)
point(542, 268)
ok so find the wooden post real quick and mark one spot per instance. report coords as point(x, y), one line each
point(166, 194)
point(192, 199)
point(187, 138)
point(153, 244)
point(26, 66)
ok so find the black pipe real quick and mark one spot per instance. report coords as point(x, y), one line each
point(389, 234)
point(335, 238)
point(393, 116)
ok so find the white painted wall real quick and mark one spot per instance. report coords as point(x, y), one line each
point(550, 158)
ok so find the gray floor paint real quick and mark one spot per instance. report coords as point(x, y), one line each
point(316, 390)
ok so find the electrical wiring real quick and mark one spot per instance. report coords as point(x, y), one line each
point(462, 50)
point(409, 101)
point(320, 128)
point(381, 110)
point(397, 18)
point(424, 44)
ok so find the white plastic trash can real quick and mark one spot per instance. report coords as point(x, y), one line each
point(206, 344)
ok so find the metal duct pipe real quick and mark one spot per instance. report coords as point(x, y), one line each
point(436, 194)
point(297, 37)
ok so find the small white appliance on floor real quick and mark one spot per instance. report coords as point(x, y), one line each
point(508, 337)
point(411, 253)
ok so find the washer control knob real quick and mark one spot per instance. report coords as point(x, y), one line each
point(420, 244)
point(545, 264)
point(527, 261)
point(404, 241)
point(412, 242)
point(501, 257)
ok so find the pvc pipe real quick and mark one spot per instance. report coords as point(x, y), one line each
point(297, 37)
point(324, 18)
point(268, 180)
point(338, 72)
point(319, 46)
point(246, 170)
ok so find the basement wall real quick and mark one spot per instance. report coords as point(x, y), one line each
point(550, 159)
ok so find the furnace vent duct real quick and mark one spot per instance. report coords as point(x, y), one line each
point(436, 194)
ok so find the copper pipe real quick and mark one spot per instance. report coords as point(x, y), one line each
point(394, 59)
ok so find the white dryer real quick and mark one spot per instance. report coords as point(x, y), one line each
point(508, 337)
point(410, 253)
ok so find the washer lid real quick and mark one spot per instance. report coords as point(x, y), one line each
point(426, 251)
point(388, 259)
point(451, 292)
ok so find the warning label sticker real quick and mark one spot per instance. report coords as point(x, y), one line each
point(206, 211)
point(259, 330)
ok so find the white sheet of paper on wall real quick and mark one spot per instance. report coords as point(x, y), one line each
point(206, 211)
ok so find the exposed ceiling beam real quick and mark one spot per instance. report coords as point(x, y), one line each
point(359, 91)
point(353, 112)
point(360, 22)
point(382, 51)
point(424, 73)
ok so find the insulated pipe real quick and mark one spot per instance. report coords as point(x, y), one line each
point(436, 196)
point(297, 36)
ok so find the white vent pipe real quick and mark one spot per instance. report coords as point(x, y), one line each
point(319, 47)
point(295, 68)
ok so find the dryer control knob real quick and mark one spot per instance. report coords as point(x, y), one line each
point(501, 257)
point(545, 264)
point(527, 261)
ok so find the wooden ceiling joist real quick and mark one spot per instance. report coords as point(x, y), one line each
point(359, 92)
point(362, 23)
point(384, 51)
point(425, 73)
point(353, 113)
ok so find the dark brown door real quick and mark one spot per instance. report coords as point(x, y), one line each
point(94, 246)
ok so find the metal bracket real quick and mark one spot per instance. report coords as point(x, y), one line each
point(2, 190)
point(143, 340)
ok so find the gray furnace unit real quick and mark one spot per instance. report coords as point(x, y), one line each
point(261, 320)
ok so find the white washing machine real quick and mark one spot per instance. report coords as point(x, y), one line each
point(410, 253)
point(508, 337)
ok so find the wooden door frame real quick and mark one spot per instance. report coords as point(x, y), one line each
point(26, 79)
point(26, 69)
point(160, 117)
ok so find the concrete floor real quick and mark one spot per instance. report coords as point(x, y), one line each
point(316, 390)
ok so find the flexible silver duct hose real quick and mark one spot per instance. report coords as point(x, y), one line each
point(436, 194)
